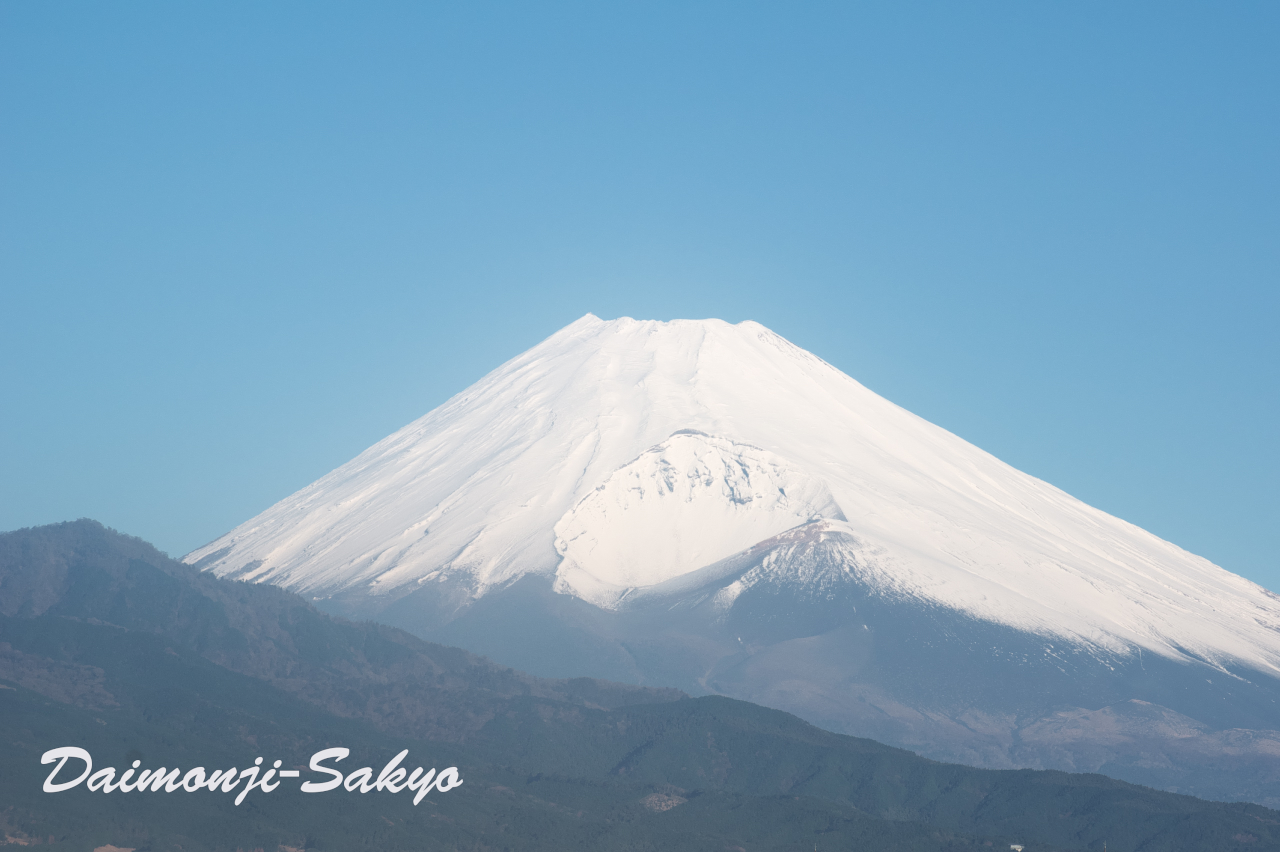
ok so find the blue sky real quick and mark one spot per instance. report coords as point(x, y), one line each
point(241, 242)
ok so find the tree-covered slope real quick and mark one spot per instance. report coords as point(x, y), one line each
point(109, 645)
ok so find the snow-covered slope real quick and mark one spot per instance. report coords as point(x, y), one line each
point(689, 502)
point(619, 456)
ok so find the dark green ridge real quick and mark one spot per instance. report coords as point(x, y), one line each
point(108, 644)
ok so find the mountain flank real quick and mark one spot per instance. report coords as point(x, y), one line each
point(706, 506)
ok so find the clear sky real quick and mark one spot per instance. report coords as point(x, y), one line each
point(240, 242)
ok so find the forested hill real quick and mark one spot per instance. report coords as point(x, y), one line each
point(107, 644)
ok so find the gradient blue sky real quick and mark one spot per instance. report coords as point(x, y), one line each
point(240, 242)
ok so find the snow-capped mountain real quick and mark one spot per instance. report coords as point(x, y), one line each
point(708, 504)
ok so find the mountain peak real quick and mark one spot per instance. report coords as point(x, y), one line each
point(618, 455)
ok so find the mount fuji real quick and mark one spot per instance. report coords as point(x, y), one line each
point(707, 506)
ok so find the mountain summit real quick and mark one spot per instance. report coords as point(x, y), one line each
point(617, 456)
point(710, 506)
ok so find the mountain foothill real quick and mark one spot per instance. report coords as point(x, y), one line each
point(110, 645)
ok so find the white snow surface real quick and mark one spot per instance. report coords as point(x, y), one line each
point(690, 501)
point(619, 455)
